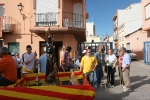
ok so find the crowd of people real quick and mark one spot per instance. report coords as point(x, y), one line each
point(12, 66)
point(93, 66)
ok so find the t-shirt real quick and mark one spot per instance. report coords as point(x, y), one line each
point(43, 62)
point(111, 58)
point(8, 68)
point(120, 63)
point(88, 63)
point(28, 57)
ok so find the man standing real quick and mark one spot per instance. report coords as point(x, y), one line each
point(29, 60)
point(43, 62)
point(88, 65)
point(7, 68)
point(126, 69)
point(98, 70)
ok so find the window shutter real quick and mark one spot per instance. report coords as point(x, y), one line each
point(44, 6)
point(46, 12)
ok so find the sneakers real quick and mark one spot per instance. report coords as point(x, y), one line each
point(124, 87)
point(127, 89)
point(112, 86)
point(96, 86)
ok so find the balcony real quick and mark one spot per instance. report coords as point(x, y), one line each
point(72, 20)
point(47, 19)
point(69, 19)
point(115, 37)
point(10, 25)
point(60, 23)
point(115, 26)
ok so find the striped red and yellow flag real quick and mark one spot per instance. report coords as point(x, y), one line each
point(74, 92)
point(67, 92)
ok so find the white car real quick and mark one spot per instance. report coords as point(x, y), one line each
point(132, 55)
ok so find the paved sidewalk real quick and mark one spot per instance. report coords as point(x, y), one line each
point(140, 81)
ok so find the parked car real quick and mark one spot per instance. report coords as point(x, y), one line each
point(132, 55)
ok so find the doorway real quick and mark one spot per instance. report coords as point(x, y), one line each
point(57, 45)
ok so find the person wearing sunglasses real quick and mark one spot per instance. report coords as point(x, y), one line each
point(88, 65)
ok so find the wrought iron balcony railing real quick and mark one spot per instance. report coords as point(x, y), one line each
point(46, 19)
point(72, 20)
point(11, 25)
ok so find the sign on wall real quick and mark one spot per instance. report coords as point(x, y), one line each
point(147, 11)
point(1, 26)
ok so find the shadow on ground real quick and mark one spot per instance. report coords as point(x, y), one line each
point(115, 94)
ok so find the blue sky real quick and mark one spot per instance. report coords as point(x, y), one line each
point(101, 13)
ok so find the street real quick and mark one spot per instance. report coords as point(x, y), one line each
point(140, 81)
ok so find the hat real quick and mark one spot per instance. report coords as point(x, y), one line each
point(44, 49)
point(84, 51)
point(13, 53)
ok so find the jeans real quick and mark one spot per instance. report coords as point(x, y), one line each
point(4, 81)
point(90, 77)
point(97, 75)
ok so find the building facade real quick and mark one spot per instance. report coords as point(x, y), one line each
point(28, 25)
point(124, 16)
point(90, 29)
point(146, 29)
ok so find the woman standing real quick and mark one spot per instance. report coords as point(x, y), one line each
point(120, 68)
point(111, 61)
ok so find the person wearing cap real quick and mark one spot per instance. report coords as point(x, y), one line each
point(7, 68)
point(43, 62)
point(126, 62)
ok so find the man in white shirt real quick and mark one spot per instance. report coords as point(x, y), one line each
point(126, 69)
point(29, 58)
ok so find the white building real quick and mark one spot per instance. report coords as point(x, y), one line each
point(126, 21)
point(90, 29)
point(131, 13)
point(93, 39)
point(90, 33)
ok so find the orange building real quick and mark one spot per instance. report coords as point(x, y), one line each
point(24, 22)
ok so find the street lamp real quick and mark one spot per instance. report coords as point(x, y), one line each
point(20, 6)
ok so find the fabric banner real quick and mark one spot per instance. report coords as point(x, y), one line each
point(1, 26)
point(21, 90)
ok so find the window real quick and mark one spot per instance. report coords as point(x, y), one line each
point(128, 46)
point(92, 41)
point(147, 11)
point(122, 45)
